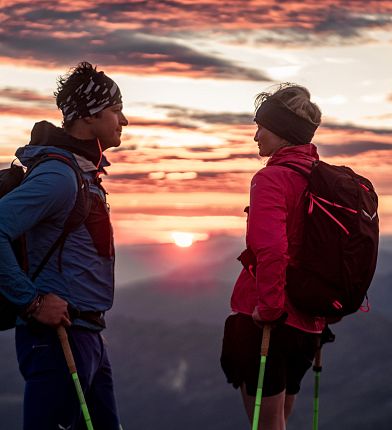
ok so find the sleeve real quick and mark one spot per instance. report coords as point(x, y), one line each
point(267, 238)
point(49, 191)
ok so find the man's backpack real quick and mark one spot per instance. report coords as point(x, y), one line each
point(339, 251)
point(11, 178)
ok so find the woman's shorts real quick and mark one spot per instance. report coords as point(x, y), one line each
point(290, 355)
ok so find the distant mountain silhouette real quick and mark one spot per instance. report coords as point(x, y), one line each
point(140, 262)
point(165, 334)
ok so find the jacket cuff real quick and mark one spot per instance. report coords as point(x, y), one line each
point(32, 308)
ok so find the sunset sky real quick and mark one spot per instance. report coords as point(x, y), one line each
point(189, 72)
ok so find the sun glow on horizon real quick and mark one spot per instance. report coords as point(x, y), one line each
point(182, 239)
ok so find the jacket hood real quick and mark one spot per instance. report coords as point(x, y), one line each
point(28, 154)
point(300, 155)
point(45, 137)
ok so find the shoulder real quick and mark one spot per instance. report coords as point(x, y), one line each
point(273, 174)
point(52, 178)
point(54, 169)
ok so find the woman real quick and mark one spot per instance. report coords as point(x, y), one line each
point(286, 122)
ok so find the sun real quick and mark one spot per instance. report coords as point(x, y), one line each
point(181, 239)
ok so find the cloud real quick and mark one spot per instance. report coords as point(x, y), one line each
point(200, 182)
point(294, 23)
point(28, 111)
point(26, 103)
point(346, 23)
point(225, 118)
point(201, 149)
point(167, 210)
point(146, 122)
point(149, 37)
point(25, 95)
point(353, 148)
point(45, 36)
point(213, 159)
point(355, 129)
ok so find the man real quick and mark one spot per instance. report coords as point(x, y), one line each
point(75, 287)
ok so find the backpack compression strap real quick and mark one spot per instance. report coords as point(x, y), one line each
point(314, 199)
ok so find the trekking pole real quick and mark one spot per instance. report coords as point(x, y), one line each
point(259, 393)
point(62, 334)
point(317, 371)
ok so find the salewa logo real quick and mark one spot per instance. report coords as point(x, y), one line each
point(63, 428)
point(371, 217)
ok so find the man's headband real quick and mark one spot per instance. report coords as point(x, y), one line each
point(94, 95)
point(276, 117)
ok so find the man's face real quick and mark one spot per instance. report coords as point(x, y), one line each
point(107, 126)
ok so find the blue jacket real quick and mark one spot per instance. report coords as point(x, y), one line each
point(39, 208)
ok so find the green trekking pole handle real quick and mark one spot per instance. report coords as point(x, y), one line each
point(317, 371)
point(62, 334)
point(263, 359)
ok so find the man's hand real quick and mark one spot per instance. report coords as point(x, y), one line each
point(53, 311)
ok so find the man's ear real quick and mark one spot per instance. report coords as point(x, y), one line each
point(88, 119)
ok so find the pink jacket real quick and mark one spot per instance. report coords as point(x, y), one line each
point(274, 231)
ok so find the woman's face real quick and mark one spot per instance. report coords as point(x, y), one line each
point(267, 141)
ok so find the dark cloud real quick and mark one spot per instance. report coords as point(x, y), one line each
point(128, 176)
point(24, 95)
point(346, 24)
point(153, 37)
point(352, 148)
point(62, 38)
point(327, 23)
point(210, 181)
point(224, 118)
point(355, 129)
point(145, 122)
point(201, 149)
point(26, 103)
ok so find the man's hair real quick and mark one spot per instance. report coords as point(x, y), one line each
point(294, 97)
point(68, 84)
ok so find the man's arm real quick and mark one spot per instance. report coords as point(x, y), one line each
point(49, 191)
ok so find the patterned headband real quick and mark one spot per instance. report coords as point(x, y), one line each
point(94, 95)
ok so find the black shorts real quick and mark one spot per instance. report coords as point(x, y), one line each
point(290, 355)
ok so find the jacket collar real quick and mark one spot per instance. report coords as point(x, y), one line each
point(301, 155)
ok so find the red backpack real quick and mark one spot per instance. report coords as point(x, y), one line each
point(338, 255)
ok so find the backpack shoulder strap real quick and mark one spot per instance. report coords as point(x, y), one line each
point(78, 214)
point(298, 169)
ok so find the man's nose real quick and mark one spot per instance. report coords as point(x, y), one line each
point(124, 120)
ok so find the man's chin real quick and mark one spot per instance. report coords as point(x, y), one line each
point(113, 143)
